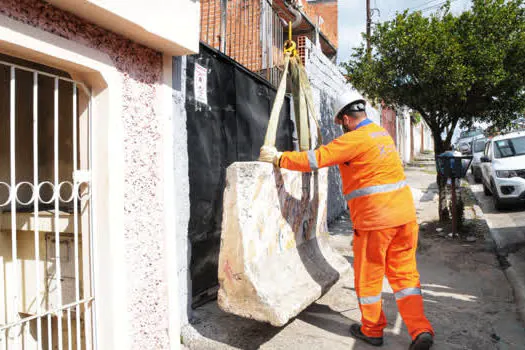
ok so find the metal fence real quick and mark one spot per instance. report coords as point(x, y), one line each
point(46, 298)
point(249, 31)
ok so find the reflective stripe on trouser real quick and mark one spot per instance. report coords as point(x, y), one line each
point(373, 318)
point(372, 249)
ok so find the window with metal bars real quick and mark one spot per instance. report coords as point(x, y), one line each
point(45, 213)
point(249, 31)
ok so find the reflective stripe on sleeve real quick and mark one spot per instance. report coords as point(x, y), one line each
point(312, 160)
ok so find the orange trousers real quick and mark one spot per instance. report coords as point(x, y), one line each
point(390, 252)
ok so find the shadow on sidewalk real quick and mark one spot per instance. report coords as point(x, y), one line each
point(466, 295)
point(430, 193)
point(324, 317)
point(241, 333)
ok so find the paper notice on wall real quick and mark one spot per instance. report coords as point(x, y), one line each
point(200, 84)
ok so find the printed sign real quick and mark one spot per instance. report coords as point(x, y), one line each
point(200, 84)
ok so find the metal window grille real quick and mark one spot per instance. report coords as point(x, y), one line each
point(45, 211)
point(248, 31)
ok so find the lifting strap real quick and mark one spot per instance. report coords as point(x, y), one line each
point(302, 96)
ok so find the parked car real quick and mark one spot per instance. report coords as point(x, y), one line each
point(478, 150)
point(503, 169)
point(464, 142)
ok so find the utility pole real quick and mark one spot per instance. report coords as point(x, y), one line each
point(368, 25)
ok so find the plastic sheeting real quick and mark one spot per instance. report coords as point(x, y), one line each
point(229, 128)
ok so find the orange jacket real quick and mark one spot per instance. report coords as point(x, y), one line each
point(372, 173)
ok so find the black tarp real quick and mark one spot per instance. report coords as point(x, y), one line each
point(230, 128)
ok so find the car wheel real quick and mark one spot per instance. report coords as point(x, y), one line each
point(497, 201)
point(495, 198)
point(486, 190)
point(477, 176)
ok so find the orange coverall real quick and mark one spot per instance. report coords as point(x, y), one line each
point(384, 218)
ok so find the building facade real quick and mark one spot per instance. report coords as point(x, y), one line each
point(87, 228)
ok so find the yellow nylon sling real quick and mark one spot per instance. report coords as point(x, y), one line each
point(302, 96)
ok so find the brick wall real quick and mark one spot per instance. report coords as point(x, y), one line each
point(328, 10)
point(243, 28)
point(388, 120)
point(248, 41)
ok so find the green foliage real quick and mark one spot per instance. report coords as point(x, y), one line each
point(415, 117)
point(469, 67)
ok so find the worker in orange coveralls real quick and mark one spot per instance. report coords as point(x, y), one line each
point(383, 214)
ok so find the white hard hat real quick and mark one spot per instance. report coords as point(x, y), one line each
point(347, 98)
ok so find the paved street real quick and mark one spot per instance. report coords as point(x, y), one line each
point(508, 230)
point(467, 296)
point(508, 226)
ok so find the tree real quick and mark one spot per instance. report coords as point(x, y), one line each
point(448, 68)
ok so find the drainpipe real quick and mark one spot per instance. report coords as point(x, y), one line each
point(224, 16)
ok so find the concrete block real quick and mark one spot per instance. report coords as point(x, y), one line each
point(275, 259)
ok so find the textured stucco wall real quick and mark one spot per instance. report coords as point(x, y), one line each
point(140, 70)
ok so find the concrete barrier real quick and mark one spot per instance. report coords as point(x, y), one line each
point(275, 259)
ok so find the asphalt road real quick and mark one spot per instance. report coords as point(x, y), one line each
point(507, 226)
point(508, 230)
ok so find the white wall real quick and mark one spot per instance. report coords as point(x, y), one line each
point(132, 115)
point(403, 134)
point(373, 114)
point(403, 141)
point(181, 191)
point(417, 138)
point(169, 26)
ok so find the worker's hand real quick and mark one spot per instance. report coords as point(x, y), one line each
point(270, 154)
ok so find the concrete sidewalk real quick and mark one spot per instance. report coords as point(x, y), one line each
point(467, 297)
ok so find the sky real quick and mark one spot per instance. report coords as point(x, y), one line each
point(352, 17)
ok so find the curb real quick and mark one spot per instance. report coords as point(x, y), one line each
point(518, 285)
point(515, 280)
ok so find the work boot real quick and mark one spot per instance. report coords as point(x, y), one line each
point(423, 341)
point(355, 331)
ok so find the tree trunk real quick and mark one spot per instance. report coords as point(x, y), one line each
point(444, 213)
point(440, 146)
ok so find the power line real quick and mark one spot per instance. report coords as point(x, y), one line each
point(430, 8)
point(423, 4)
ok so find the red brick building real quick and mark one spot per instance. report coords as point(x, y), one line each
point(328, 11)
point(253, 33)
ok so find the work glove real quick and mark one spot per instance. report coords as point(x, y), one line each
point(270, 154)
